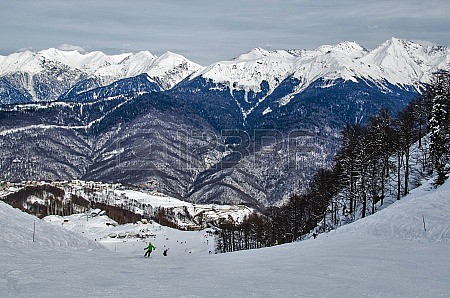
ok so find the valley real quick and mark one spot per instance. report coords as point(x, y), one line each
point(249, 130)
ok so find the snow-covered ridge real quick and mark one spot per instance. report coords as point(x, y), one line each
point(168, 69)
point(396, 61)
point(249, 72)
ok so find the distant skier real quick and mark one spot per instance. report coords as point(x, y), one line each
point(165, 252)
point(149, 249)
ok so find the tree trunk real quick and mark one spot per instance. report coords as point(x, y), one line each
point(399, 165)
point(364, 206)
point(405, 191)
point(374, 187)
point(382, 186)
point(324, 221)
point(352, 191)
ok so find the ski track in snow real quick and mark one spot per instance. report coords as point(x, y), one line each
point(384, 255)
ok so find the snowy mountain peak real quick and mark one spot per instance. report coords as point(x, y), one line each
point(170, 68)
point(402, 62)
point(348, 48)
point(255, 53)
point(170, 57)
point(249, 70)
point(169, 54)
point(395, 46)
point(25, 60)
point(259, 53)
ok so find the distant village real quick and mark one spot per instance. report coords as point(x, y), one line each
point(145, 200)
point(150, 186)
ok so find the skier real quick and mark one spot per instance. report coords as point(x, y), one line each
point(165, 252)
point(149, 249)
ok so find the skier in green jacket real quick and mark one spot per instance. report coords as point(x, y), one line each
point(149, 249)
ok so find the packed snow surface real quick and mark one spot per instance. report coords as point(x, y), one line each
point(389, 254)
point(131, 239)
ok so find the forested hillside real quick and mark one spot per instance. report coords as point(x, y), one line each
point(376, 164)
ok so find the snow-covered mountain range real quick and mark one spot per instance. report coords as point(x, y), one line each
point(397, 62)
point(47, 74)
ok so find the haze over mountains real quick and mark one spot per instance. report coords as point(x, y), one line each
point(137, 117)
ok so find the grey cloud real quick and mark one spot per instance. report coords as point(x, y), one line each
point(69, 47)
point(207, 31)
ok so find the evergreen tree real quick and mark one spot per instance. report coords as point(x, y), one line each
point(439, 124)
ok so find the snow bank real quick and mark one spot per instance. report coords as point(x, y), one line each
point(17, 232)
point(405, 218)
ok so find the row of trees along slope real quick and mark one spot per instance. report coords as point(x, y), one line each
point(382, 160)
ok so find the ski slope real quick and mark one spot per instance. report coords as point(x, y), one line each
point(388, 254)
point(101, 228)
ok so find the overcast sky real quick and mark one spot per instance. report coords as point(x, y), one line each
point(208, 30)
